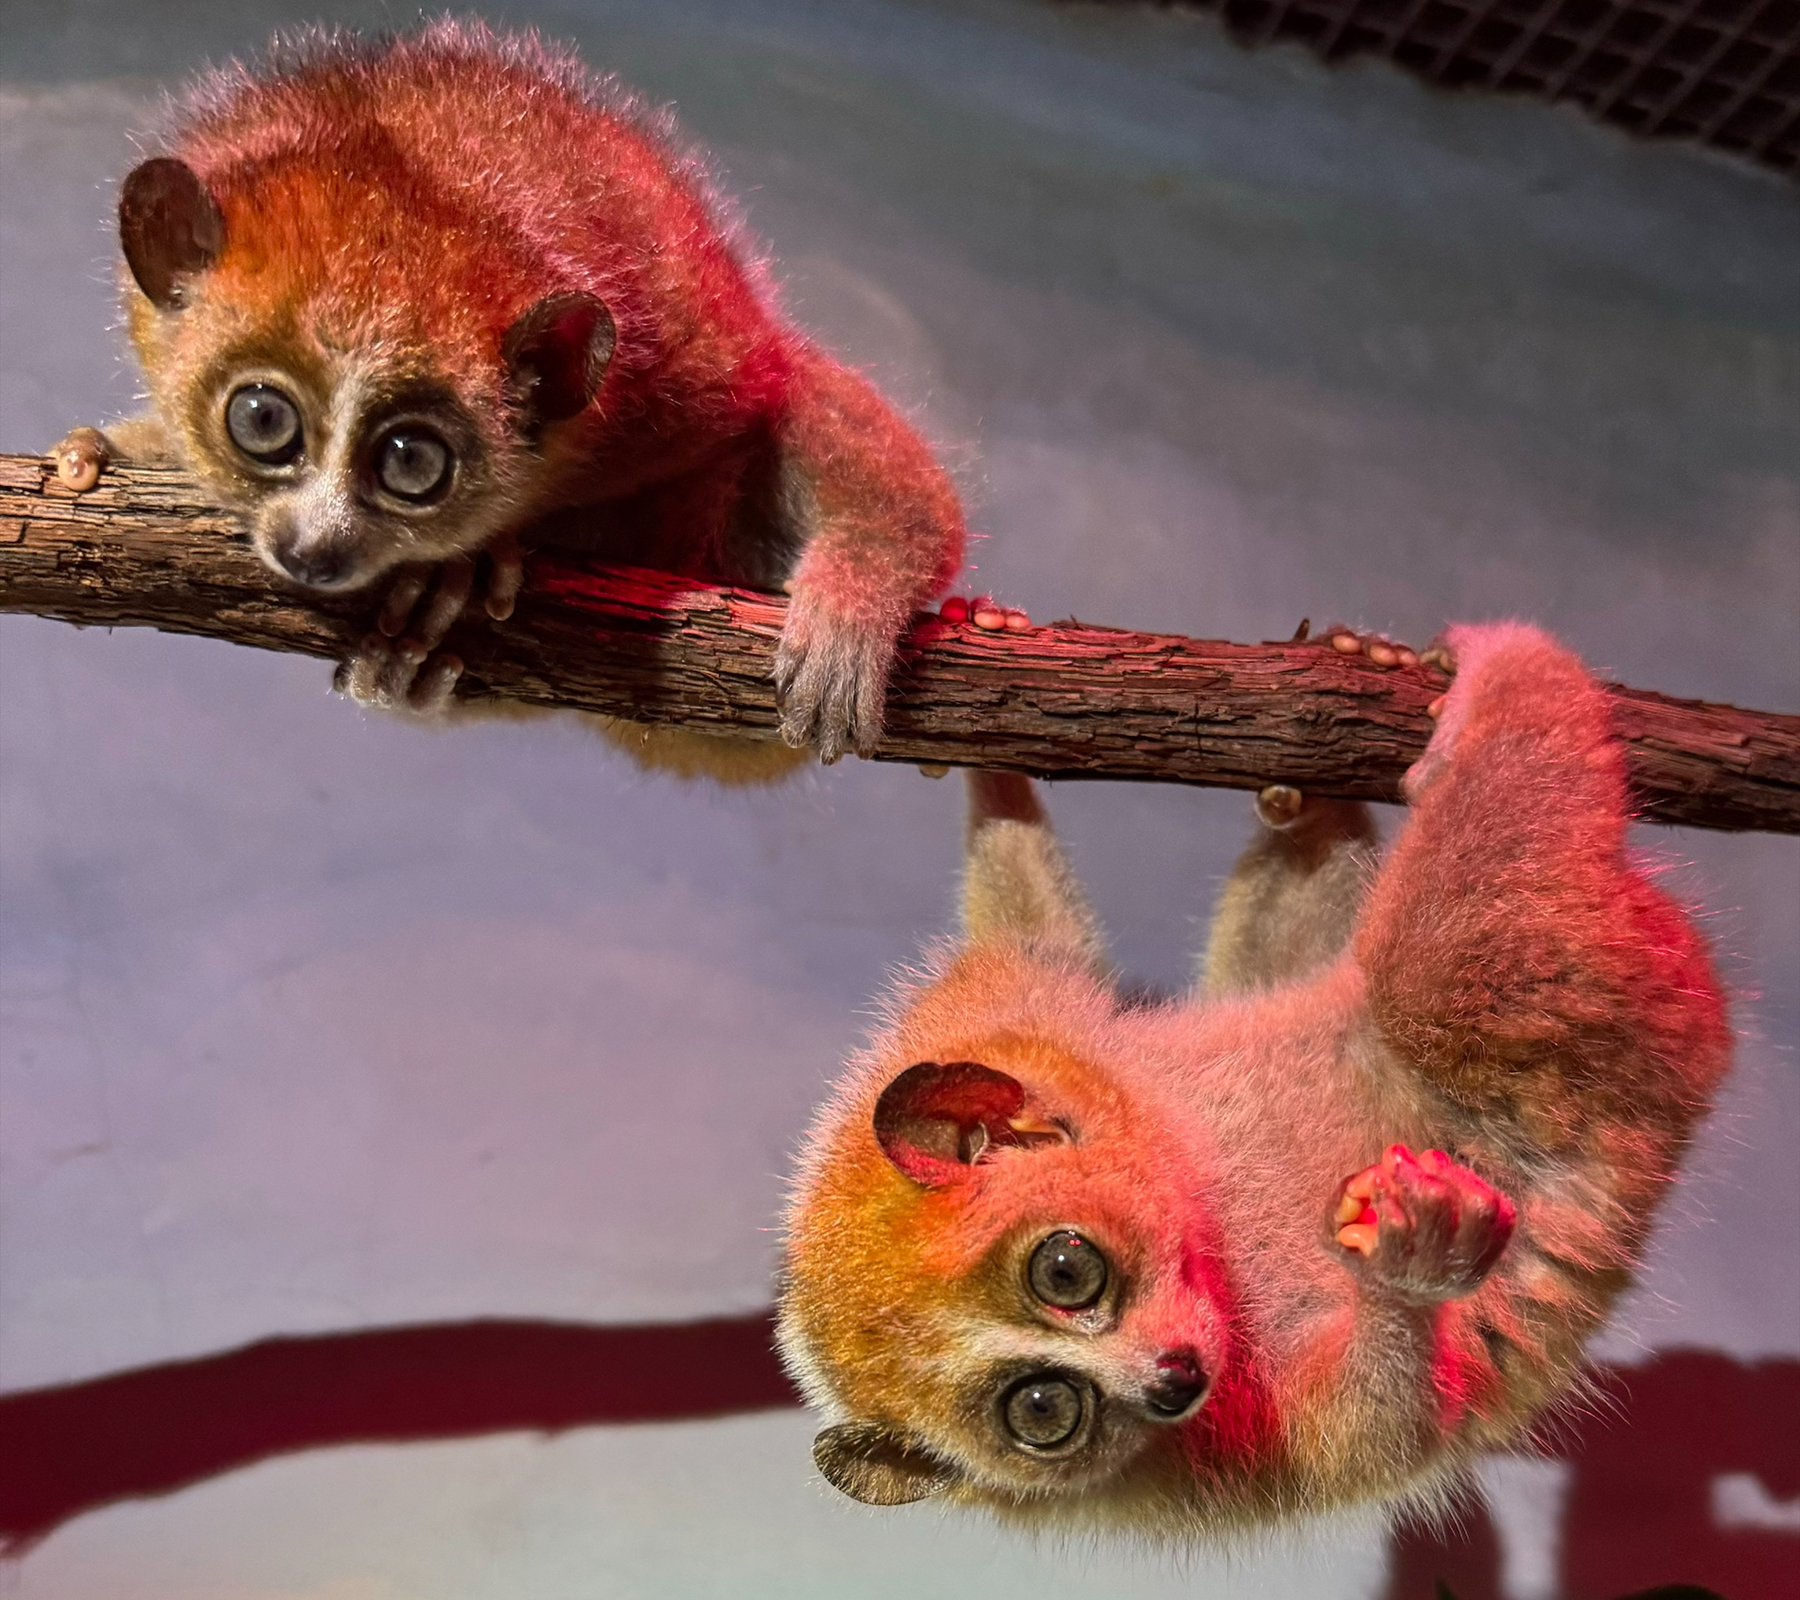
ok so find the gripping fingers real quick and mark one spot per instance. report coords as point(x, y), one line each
point(797, 672)
point(433, 688)
point(1383, 652)
point(830, 683)
point(1425, 1225)
point(826, 701)
point(505, 578)
point(80, 457)
point(377, 674)
point(383, 674)
point(456, 581)
point(397, 608)
point(399, 666)
point(985, 614)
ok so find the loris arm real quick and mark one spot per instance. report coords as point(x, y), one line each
point(84, 451)
point(883, 535)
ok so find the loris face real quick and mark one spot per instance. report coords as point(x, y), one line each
point(1001, 1283)
point(362, 420)
point(347, 470)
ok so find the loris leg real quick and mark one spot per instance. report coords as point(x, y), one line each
point(84, 452)
point(1292, 898)
point(1016, 881)
point(1518, 966)
point(881, 532)
point(1514, 955)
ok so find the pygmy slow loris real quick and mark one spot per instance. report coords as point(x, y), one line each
point(1089, 1262)
point(398, 297)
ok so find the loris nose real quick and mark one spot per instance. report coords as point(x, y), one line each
point(1178, 1384)
point(319, 563)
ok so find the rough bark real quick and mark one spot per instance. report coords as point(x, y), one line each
point(1063, 701)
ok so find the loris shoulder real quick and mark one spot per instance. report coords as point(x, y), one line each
point(1082, 1261)
point(396, 298)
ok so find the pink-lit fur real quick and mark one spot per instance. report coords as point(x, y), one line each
point(1513, 991)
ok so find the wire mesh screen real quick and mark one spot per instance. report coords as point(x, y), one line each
point(1724, 71)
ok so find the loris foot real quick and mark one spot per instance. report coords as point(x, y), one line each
point(1425, 1226)
point(1279, 805)
point(1311, 825)
point(399, 666)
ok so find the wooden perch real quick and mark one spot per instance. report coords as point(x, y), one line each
point(1067, 701)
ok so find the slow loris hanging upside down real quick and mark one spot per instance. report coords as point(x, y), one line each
point(1090, 1263)
point(397, 298)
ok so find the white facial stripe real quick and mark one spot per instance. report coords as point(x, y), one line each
point(350, 382)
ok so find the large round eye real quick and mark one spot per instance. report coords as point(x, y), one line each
point(1067, 1272)
point(264, 424)
point(412, 463)
point(1042, 1412)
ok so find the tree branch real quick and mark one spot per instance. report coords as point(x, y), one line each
point(145, 549)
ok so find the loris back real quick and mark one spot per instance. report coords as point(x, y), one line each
point(400, 297)
point(1314, 1235)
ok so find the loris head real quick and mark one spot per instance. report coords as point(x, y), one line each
point(998, 1276)
point(342, 341)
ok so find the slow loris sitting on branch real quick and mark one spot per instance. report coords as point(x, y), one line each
point(1090, 1263)
point(398, 298)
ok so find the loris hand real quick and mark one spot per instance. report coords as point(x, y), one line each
point(831, 676)
point(985, 614)
point(84, 453)
point(399, 666)
point(80, 457)
point(1424, 1226)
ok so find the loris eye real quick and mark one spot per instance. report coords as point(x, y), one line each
point(1043, 1411)
point(1067, 1272)
point(412, 463)
point(264, 424)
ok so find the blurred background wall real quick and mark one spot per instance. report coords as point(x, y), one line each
point(316, 1023)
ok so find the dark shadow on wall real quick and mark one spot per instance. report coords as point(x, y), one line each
point(150, 1431)
point(1639, 1511)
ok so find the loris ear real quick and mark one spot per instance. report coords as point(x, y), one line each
point(169, 226)
point(557, 354)
point(1016, 882)
point(935, 1121)
point(877, 1466)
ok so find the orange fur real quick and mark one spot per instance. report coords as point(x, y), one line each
point(381, 219)
point(1511, 989)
